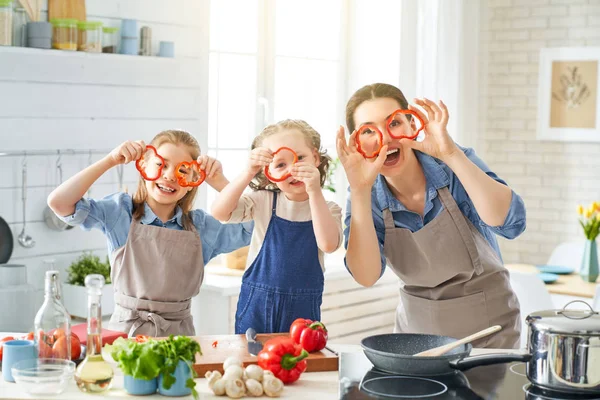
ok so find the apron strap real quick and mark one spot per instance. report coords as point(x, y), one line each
point(388, 219)
point(463, 227)
point(140, 317)
point(274, 208)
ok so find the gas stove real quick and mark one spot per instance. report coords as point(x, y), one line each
point(359, 380)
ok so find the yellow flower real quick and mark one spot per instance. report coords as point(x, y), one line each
point(580, 209)
point(588, 213)
point(598, 217)
point(596, 206)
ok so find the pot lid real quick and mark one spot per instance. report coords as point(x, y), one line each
point(568, 321)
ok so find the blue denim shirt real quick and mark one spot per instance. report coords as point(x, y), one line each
point(113, 214)
point(439, 175)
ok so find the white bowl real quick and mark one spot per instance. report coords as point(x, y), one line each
point(44, 375)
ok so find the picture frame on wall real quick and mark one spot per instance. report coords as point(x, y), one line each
point(569, 94)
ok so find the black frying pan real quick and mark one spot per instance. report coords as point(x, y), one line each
point(6, 242)
point(393, 353)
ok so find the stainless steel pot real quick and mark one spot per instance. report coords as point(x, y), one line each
point(565, 349)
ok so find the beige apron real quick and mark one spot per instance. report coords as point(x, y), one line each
point(452, 281)
point(155, 275)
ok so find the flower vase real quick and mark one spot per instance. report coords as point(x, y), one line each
point(589, 262)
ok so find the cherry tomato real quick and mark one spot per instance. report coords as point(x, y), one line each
point(141, 338)
point(4, 340)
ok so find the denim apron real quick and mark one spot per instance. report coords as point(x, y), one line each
point(284, 282)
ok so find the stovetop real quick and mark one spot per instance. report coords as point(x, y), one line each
point(359, 380)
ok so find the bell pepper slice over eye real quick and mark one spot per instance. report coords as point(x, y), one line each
point(189, 174)
point(311, 335)
point(151, 164)
point(284, 358)
point(395, 133)
point(369, 141)
point(286, 170)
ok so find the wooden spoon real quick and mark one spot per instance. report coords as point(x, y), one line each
point(438, 351)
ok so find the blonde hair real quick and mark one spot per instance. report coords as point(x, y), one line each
point(175, 137)
point(260, 181)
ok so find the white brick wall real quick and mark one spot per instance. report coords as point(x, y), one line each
point(552, 177)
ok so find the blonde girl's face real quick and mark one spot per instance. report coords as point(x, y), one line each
point(298, 142)
point(165, 190)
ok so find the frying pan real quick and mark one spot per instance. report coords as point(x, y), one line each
point(6, 241)
point(393, 353)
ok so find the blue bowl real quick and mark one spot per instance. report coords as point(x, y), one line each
point(182, 374)
point(555, 269)
point(139, 386)
point(547, 277)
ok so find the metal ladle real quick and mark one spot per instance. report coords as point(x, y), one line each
point(24, 239)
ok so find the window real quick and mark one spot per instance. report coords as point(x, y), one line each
point(284, 59)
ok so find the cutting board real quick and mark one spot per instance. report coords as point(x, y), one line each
point(212, 358)
point(74, 9)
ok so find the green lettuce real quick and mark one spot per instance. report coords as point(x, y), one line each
point(173, 350)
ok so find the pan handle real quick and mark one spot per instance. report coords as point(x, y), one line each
point(466, 363)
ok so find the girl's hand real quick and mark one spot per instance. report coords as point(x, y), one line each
point(212, 166)
point(260, 157)
point(127, 152)
point(437, 142)
point(309, 174)
point(361, 172)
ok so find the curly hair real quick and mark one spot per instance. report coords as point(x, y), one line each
point(186, 202)
point(260, 181)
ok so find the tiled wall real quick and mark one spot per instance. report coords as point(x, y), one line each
point(552, 177)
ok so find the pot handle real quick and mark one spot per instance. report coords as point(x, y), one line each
point(589, 313)
point(467, 363)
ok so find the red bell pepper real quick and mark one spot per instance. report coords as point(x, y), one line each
point(359, 147)
point(401, 111)
point(194, 168)
point(284, 358)
point(142, 169)
point(285, 176)
point(311, 335)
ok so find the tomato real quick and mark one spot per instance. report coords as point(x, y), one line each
point(75, 347)
point(141, 338)
point(29, 336)
point(57, 333)
point(59, 349)
point(2, 341)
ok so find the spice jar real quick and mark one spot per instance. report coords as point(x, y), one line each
point(89, 37)
point(6, 15)
point(110, 40)
point(64, 34)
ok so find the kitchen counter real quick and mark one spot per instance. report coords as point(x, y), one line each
point(569, 285)
point(314, 385)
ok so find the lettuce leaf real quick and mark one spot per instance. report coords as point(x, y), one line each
point(139, 360)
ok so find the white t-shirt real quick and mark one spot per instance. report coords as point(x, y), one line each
point(257, 206)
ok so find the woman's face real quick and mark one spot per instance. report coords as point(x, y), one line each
point(165, 190)
point(376, 112)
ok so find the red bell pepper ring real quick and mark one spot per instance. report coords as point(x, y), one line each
point(141, 338)
point(402, 111)
point(285, 176)
point(359, 146)
point(284, 358)
point(311, 335)
point(215, 343)
point(182, 178)
point(140, 167)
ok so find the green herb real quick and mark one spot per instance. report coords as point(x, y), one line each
point(329, 180)
point(85, 265)
point(173, 350)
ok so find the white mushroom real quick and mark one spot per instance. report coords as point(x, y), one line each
point(272, 386)
point(255, 372)
point(233, 372)
point(235, 388)
point(268, 374)
point(215, 383)
point(254, 388)
point(231, 361)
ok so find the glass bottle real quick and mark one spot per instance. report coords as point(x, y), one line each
point(20, 21)
point(94, 375)
point(52, 324)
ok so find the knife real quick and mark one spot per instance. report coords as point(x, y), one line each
point(254, 346)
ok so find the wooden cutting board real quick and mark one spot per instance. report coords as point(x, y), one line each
point(212, 358)
point(74, 9)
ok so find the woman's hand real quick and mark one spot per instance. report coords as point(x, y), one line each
point(309, 174)
point(360, 171)
point(437, 142)
point(127, 152)
point(260, 157)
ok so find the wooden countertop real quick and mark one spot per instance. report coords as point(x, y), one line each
point(570, 285)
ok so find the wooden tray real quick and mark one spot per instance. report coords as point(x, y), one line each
point(212, 358)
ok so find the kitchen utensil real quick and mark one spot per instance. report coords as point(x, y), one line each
point(438, 351)
point(6, 241)
point(24, 239)
point(216, 349)
point(14, 351)
point(393, 353)
point(44, 376)
point(51, 219)
point(254, 347)
point(555, 269)
point(12, 275)
point(67, 9)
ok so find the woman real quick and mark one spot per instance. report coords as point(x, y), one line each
point(432, 209)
